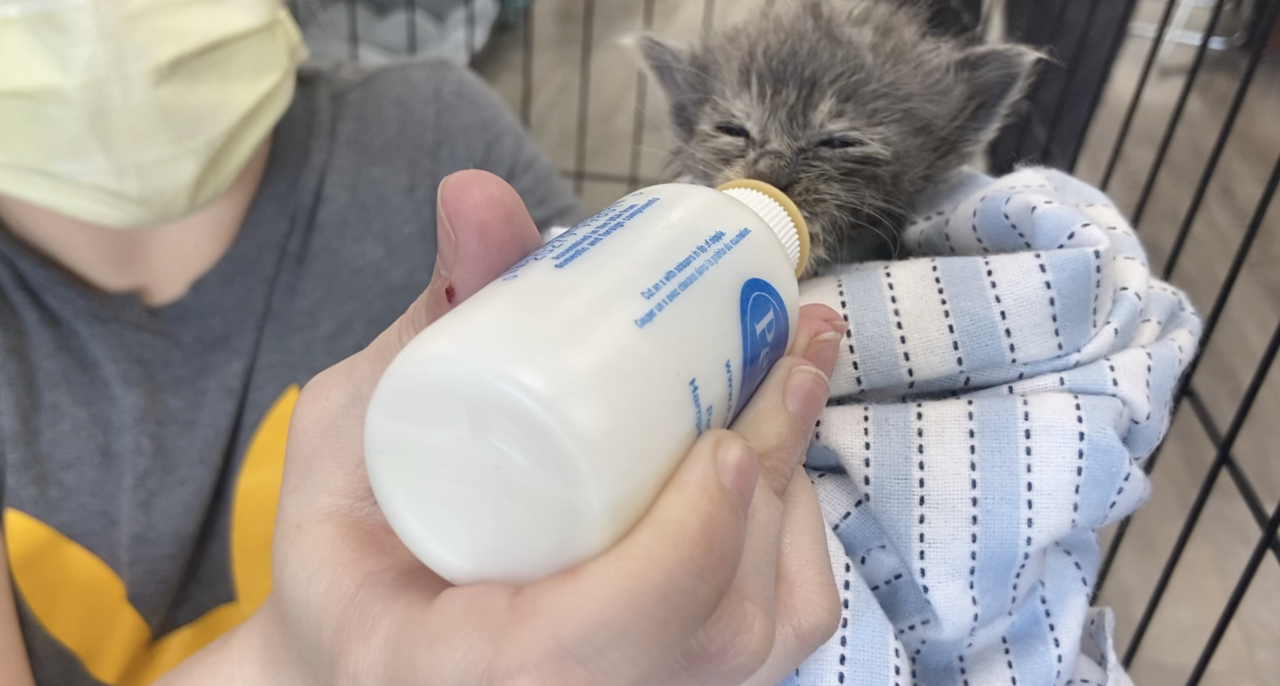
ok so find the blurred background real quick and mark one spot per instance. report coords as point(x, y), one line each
point(1171, 106)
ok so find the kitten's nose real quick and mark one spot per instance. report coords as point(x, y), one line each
point(775, 169)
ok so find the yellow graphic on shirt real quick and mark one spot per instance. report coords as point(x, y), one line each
point(83, 604)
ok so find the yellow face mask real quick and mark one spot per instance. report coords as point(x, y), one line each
point(129, 113)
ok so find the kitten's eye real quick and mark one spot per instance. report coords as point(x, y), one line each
point(733, 130)
point(837, 143)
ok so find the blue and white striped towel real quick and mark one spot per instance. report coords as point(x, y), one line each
point(997, 396)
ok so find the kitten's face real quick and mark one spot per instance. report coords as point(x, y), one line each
point(852, 110)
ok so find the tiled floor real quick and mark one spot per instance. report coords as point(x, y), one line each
point(1226, 535)
point(1250, 652)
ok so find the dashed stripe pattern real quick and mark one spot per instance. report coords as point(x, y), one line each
point(997, 389)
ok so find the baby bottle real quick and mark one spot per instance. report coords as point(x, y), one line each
point(529, 428)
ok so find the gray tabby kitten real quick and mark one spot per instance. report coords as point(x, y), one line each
point(852, 107)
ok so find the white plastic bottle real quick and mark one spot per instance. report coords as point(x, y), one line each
point(528, 429)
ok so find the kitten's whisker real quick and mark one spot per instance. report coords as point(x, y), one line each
point(893, 245)
point(649, 148)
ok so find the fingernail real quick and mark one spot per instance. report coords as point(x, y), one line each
point(446, 243)
point(835, 320)
point(738, 468)
point(806, 393)
point(822, 350)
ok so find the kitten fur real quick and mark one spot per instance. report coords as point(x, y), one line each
point(852, 107)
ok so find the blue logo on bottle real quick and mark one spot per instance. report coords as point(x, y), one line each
point(765, 329)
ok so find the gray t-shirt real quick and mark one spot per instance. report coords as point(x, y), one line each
point(135, 531)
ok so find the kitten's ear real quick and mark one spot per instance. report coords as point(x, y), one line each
point(996, 77)
point(671, 66)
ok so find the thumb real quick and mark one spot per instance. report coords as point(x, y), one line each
point(482, 228)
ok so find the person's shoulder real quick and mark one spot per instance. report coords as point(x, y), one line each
point(410, 90)
point(429, 74)
point(416, 122)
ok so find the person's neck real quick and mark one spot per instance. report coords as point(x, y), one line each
point(159, 263)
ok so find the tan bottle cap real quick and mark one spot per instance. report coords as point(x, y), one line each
point(790, 227)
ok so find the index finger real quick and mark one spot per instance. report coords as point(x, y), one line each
point(779, 418)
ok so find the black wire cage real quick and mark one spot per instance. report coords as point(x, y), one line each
point(1171, 106)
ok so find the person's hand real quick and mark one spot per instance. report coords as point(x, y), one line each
point(726, 579)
